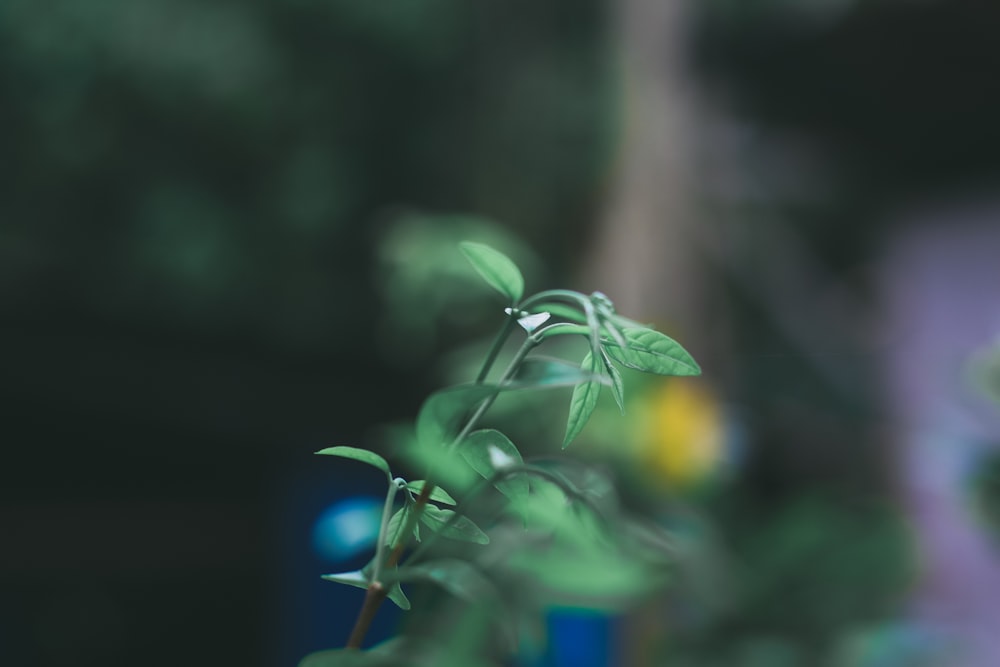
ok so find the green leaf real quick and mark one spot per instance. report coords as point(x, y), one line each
point(617, 384)
point(607, 316)
point(444, 463)
point(458, 577)
point(394, 531)
point(457, 528)
point(437, 495)
point(441, 415)
point(356, 578)
point(363, 455)
point(547, 372)
point(475, 450)
point(398, 597)
point(653, 352)
point(362, 579)
point(389, 578)
point(595, 329)
point(343, 657)
point(496, 269)
point(584, 400)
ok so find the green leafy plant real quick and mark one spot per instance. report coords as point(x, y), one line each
point(518, 534)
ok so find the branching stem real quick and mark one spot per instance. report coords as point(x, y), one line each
point(377, 592)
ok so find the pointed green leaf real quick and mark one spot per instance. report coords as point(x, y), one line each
point(615, 332)
point(496, 269)
point(357, 578)
point(398, 597)
point(442, 414)
point(595, 329)
point(394, 531)
point(454, 526)
point(617, 384)
point(476, 450)
point(653, 352)
point(607, 316)
point(584, 400)
point(362, 579)
point(363, 455)
point(388, 579)
point(437, 495)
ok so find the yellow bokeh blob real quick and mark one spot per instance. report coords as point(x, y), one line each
point(678, 432)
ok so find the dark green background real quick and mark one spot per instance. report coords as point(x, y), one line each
point(192, 195)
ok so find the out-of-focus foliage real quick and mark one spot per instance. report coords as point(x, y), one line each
point(192, 197)
point(223, 156)
point(426, 285)
point(801, 581)
point(558, 534)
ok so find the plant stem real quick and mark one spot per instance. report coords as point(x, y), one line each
point(496, 347)
point(390, 496)
point(374, 597)
point(377, 592)
point(565, 294)
point(515, 363)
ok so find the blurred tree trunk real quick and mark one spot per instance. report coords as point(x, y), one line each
point(643, 250)
point(644, 253)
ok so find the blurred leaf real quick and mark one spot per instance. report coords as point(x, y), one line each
point(476, 450)
point(544, 508)
point(496, 269)
point(343, 657)
point(546, 372)
point(363, 455)
point(584, 401)
point(440, 418)
point(458, 577)
point(459, 528)
point(437, 495)
point(584, 568)
point(446, 464)
point(653, 352)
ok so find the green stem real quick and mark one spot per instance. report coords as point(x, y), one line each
point(554, 294)
point(498, 342)
point(528, 345)
point(390, 497)
point(485, 484)
point(376, 591)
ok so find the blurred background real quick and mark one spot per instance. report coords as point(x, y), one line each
point(227, 240)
